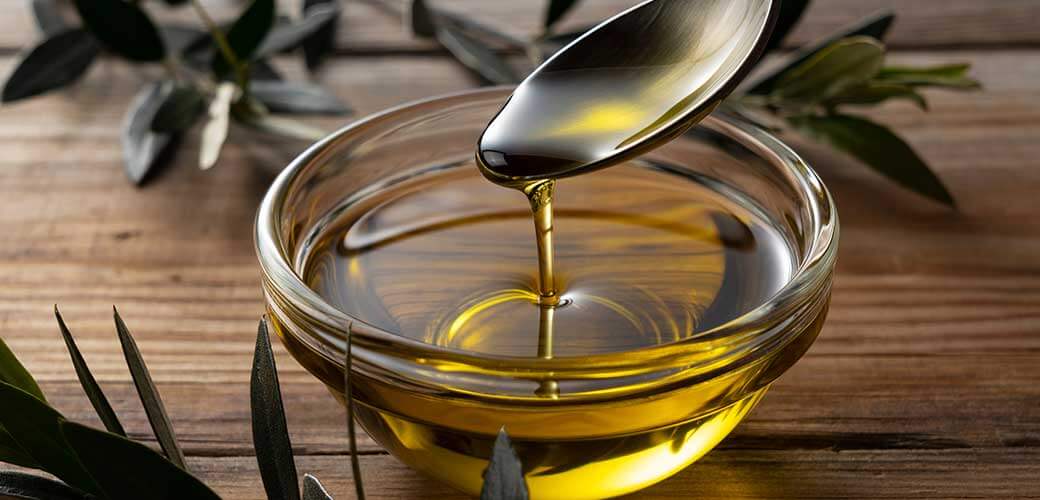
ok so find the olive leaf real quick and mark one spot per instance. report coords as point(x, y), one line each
point(875, 26)
point(846, 63)
point(348, 395)
point(313, 489)
point(260, 69)
point(149, 394)
point(86, 380)
point(877, 147)
point(949, 76)
point(791, 12)
point(296, 97)
point(13, 372)
point(555, 10)
point(246, 34)
point(143, 150)
point(421, 19)
point(54, 63)
point(321, 42)
point(281, 126)
point(12, 453)
point(36, 428)
point(126, 469)
point(287, 36)
point(875, 92)
point(216, 130)
point(18, 485)
point(270, 433)
point(48, 19)
point(123, 28)
point(504, 477)
point(181, 108)
point(481, 60)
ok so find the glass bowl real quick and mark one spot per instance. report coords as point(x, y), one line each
point(626, 419)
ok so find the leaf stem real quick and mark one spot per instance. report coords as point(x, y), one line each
point(225, 48)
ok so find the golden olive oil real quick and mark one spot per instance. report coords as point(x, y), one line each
point(640, 256)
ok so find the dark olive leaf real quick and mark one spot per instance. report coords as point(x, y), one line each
point(555, 11)
point(313, 489)
point(143, 150)
point(270, 433)
point(846, 63)
point(952, 76)
point(482, 61)
point(123, 27)
point(179, 110)
point(290, 35)
point(246, 34)
point(12, 453)
point(348, 396)
point(791, 12)
point(215, 132)
point(150, 399)
point(504, 477)
point(875, 92)
point(86, 380)
point(877, 147)
point(12, 372)
point(260, 69)
point(126, 469)
point(422, 19)
point(280, 126)
point(323, 40)
point(48, 19)
point(176, 3)
point(297, 97)
point(36, 428)
point(875, 26)
point(56, 62)
point(178, 38)
point(18, 485)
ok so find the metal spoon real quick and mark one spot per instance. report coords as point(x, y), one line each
point(628, 85)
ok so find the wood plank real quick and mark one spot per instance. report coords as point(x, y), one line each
point(922, 23)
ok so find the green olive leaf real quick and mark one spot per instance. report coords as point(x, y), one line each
point(123, 28)
point(18, 485)
point(846, 63)
point(422, 19)
point(54, 63)
point(36, 428)
point(504, 477)
point(322, 41)
point(791, 12)
point(270, 433)
point(950, 76)
point(313, 489)
point(149, 394)
point(877, 147)
point(875, 92)
point(482, 61)
point(86, 380)
point(13, 372)
point(246, 34)
point(876, 27)
point(144, 150)
point(297, 97)
point(126, 469)
point(11, 452)
point(179, 110)
point(48, 19)
point(290, 35)
point(555, 10)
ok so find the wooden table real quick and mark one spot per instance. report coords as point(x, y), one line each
point(925, 382)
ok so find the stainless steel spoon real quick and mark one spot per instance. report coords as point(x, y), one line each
point(628, 85)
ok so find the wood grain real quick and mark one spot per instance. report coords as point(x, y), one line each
point(923, 383)
point(369, 29)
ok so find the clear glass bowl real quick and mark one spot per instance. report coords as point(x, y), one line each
point(628, 419)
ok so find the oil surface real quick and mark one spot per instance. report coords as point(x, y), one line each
point(643, 257)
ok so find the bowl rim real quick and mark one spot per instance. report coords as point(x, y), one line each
point(740, 338)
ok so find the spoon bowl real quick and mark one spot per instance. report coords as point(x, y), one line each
point(626, 86)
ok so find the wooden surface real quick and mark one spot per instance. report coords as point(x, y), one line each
point(925, 382)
